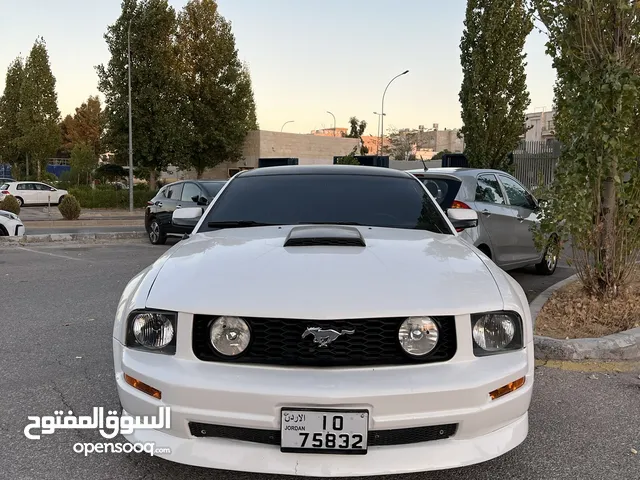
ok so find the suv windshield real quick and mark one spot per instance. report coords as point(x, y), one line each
point(357, 199)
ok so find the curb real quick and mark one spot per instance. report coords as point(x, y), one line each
point(35, 224)
point(72, 237)
point(618, 346)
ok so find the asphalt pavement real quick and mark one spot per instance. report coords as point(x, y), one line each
point(58, 303)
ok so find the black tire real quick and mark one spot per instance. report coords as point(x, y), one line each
point(3, 231)
point(60, 199)
point(20, 201)
point(156, 233)
point(549, 262)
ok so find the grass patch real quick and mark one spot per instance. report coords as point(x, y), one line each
point(572, 313)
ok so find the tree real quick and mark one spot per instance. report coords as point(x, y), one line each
point(401, 146)
point(595, 198)
point(110, 172)
point(9, 108)
point(356, 130)
point(38, 116)
point(218, 107)
point(349, 159)
point(155, 85)
point(84, 127)
point(493, 95)
point(83, 162)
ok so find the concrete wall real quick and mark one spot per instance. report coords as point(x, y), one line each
point(413, 164)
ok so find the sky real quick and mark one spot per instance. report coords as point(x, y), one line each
point(306, 57)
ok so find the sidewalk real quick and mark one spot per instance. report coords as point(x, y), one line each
point(30, 215)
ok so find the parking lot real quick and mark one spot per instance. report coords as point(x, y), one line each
point(58, 304)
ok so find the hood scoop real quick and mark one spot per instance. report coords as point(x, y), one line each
point(325, 236)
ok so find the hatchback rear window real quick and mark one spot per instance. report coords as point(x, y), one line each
point(4, 187)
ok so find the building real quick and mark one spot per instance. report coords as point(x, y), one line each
point(309, 149)
point(540, 127)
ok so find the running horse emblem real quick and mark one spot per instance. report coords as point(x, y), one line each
point(324, 337)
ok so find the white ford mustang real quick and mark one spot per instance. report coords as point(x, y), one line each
point(326, 310)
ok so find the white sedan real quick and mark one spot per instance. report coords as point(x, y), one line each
point(326, 321)
point(33, 193)
point(10, 225)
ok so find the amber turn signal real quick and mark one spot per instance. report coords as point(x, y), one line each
point(143, 387)
point(508, 388)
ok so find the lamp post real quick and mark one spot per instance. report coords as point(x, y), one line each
point(334, 122)
point(378, 131)
point(130, 122)
point(289, 121)
point(382, 114)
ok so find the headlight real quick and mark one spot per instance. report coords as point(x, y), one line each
point(152, 330)
point(418, 336)
point(230, 336)
point(496, 332)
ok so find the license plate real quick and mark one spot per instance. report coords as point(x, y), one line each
point(324, 431)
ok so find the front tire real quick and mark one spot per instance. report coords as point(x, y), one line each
point(156, 234)
point(549, 262)
point(60, 199)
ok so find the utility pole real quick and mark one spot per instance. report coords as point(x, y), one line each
point(130, 121)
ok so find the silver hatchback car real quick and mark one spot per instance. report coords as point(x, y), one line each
point(506, 212)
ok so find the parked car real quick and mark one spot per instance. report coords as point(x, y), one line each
point(4, 180)
point(187, 193)
point(10, 225)
point(33, 193)
point(507, 212)
point(326, 320)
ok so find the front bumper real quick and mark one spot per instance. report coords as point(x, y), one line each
point(454, 392)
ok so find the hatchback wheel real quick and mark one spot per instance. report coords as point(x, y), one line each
point(156, 235)
point(20, 201)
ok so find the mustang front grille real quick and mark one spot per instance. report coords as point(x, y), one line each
point(366, 342)
point(402, 436)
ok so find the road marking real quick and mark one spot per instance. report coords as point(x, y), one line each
point(52, 254)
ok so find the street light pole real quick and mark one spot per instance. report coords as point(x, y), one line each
point(382, 111)
point(334, 122)
point(378, 132)
point(130, 121)
point(289, 121)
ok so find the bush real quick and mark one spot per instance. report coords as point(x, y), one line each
point(110, 198)
point(69, 207)
point(49, 178)
point(10, 204)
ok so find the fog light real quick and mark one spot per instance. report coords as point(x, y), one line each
point(418, 336)
point(230, 336)
point(508, 388)
point(143, 387)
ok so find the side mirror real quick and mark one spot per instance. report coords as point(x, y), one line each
point(462, 218)
point(187, 217)
point(53, 189)
point(202, 201)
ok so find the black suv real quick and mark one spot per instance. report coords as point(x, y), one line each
point(187, 193)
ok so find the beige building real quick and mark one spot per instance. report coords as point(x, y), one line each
point(540, 127)
point(307, 148)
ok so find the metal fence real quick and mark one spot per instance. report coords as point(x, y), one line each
point(535, 162)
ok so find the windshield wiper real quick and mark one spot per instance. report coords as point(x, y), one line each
point(240, 224)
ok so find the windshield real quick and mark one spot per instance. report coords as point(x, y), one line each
point(371, 200)
point(213, 188)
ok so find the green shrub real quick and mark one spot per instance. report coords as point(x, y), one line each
point(110, 198)
point(50, 178)
point(69, 207)
point(10, 204)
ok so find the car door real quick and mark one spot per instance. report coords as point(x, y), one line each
point(167, 205)
point(27, 191)
point(191, 193)
point(526, 218)
point(498, 218)
point(45, 193)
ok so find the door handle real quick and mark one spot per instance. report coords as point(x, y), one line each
point(486, 213)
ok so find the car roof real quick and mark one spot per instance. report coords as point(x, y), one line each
point(323, 170)
point(461, 171)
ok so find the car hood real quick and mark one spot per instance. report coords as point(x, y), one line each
point(249, 272)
